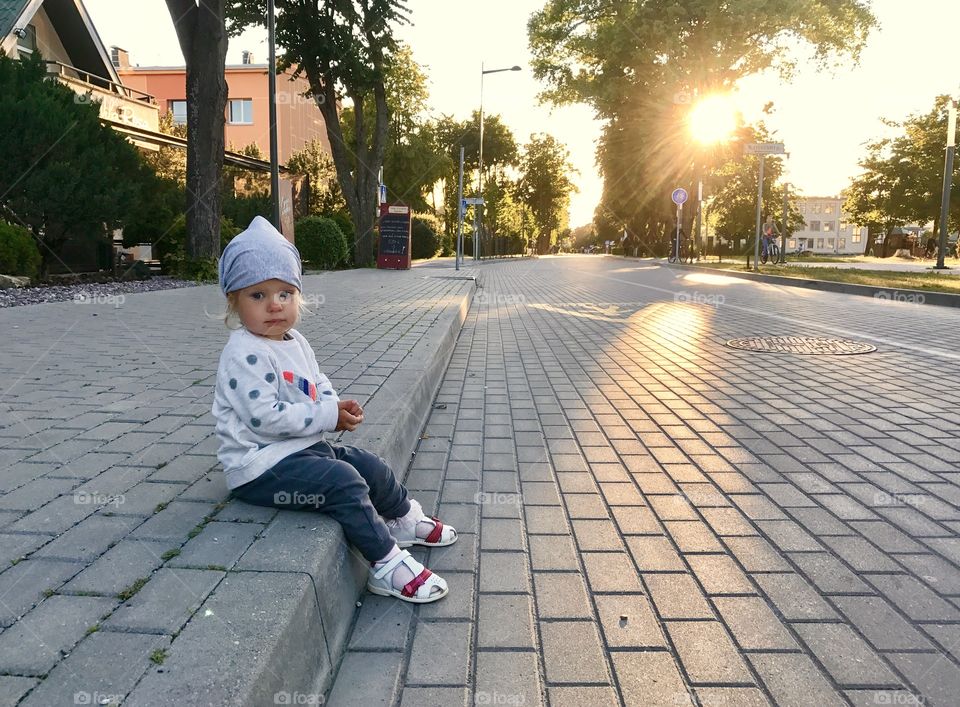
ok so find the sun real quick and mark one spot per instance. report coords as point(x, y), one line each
point(713, 119)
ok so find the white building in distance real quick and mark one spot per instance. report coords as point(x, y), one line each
point(827, 228)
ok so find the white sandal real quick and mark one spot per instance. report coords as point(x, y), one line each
point(404, 530)
point(418, 590)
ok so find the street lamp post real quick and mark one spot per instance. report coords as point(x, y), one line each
point(947, 183)
point(479, 208)
point(274, 157)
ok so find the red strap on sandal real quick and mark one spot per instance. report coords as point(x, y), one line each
point(410, 589)
point(436, 533)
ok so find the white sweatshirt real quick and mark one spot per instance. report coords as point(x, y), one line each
point(271, 400)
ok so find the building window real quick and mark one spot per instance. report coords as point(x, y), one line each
point(814, 225)
point(178, 109)
point(855, 238)
point(241, 111)
point(819, 243)
point(817, 208)
point(843, 244)
point(828, 209)
point(829, 226)
point(791, 243)
point(27, 44)
point(829, 243)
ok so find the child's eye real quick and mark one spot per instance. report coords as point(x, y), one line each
point(256, 295)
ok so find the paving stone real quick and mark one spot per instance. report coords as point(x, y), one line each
point(503, 572)
point(794, 598)
point(507, 678)
point(649, 679)
point(757, 555)
point(561, 595)
point(861, 555)
point(719, 574)
point(172, 523)
point(828, 574)
point(501, 534)
point(459, 602)
point(87, 540)
point(552, 552)
point(611, 572)
point(24, 585)
point(217, 545)
point(119, 567)
point(740, 696)
point(102, 666)
point(434, 697)
point(546, 520)
point(913, 598)
point(845, 655)
point(505, 621)
point(654, 554)
point(440, 654)
point(367, 678)
point(935, 677)
point(793, 679)
point(166, 602)
point(677, 596)
point(236, 511)
point(33, 645)
point(382, 624)
point(461, 556)
point(882, 626)
point(707, 654)
point(627, 621)
point(578, 696)
point(12, 688)
point(36, 493)
point(572, 653)
point(753, 625)
point(633, 520)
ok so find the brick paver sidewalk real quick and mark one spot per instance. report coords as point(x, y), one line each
point(650, 518)
point(112, 526)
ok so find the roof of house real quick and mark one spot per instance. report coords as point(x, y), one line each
point(10, 10)
point(73, 26)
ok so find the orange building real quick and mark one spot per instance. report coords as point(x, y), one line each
point(298, 118)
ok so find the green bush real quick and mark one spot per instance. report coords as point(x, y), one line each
point(427, 241)
point(171, 249)
point(19, 254)
point(321, 242)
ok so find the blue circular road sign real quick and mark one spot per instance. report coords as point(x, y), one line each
point(679, 196)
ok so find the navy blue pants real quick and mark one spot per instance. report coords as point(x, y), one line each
point(351, 484)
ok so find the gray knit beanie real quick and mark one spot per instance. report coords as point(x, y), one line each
point(257, 254)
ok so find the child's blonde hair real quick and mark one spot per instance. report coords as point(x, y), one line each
point(231, 313)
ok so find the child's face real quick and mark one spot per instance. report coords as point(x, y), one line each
point(269, 308)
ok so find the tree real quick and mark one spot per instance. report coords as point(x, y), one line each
point(902, 176)
point(344, 50)
point(545, 186)
point(65, 176)
point(641, 64)
point(325, 195)
point(201, 31)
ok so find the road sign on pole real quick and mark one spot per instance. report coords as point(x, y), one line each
point(679, 196)
point(765, 148)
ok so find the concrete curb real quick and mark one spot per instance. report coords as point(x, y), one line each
point(275, 629)
point(940, 299)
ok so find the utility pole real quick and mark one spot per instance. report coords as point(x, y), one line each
point(459, 245)
point(947, 183)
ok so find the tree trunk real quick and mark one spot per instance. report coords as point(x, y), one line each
point(201, 31)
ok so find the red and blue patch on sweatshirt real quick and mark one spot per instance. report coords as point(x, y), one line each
point(302, 383)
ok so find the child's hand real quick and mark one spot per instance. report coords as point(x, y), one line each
point(351, 415)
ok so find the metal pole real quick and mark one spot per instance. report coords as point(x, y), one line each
point(756, 239)
point(679, 217)
point(696, 230)
point(478, 208)
point(274, 156)
point(947, 184)
point(459, 246)
point(783, 229)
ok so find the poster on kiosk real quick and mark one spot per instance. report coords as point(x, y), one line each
point(395, 240)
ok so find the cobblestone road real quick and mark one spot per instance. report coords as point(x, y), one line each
point(648, 517)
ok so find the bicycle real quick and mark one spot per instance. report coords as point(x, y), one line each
point(686, 252)
point(770, 251)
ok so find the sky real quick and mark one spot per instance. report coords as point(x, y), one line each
point(823, 118)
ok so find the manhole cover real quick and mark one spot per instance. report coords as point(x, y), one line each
point(801, 345)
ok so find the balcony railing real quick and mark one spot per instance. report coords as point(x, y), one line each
point(61, 70)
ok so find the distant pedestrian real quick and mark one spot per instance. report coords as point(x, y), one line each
point(272, 405)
